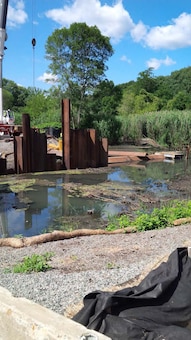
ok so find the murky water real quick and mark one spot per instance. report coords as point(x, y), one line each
point(48, 206)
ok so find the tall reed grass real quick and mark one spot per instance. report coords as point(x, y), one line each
point(168, 128)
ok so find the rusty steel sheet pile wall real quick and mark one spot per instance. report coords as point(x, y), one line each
point(81, 148)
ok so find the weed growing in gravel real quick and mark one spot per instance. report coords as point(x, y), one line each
point(159, 217)
point(111, 265)
point(34, 263)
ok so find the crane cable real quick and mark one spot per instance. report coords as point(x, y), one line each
point(33, 39)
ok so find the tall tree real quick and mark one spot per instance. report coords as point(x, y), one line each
point(78, 58)
point(18, 93)
point(102, 112)
point(44, 109)
point(146, 81)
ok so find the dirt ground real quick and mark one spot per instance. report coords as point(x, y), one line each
point(6, 151)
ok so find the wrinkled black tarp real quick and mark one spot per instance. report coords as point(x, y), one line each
point(158, 308)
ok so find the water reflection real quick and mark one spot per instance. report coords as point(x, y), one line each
point(48, 207)
point(32, 212)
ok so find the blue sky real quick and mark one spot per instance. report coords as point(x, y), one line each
point(144, 33)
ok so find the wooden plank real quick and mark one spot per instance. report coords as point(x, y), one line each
point(173, 154)
point(154, 156)
point(122, 159)
point(127, 153)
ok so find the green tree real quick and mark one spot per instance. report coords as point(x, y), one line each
point(146, 102)
point(101, 111)
point(18, 94)
point(181, 101)
point(164, 90)
point(44, 109)
point(78, 58)
point(146, 81)
point(7, 100)
point(127, 104)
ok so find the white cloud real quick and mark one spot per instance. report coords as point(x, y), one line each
point(125, 59)
point(48, 78)
point(156, 63)
point(139, 32)
point(113, 21)
point(170, 37)
point(16, 14)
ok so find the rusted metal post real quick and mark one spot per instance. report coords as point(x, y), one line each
point(26, 143)
point(80, 153)
point(93, 148)
point(18, 154)
point(73, 147)
point(38, 151)
point(66, 134)
point(103, 154)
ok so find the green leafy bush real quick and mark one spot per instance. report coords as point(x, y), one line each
point(157, 219)
point(34, 263)
point(179, 209)
point(118, 222)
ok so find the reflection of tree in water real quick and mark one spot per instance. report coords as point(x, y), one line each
point(60, 203)
point(7, 199)
point(154, 170)
point(3, 221)
point(38, 200)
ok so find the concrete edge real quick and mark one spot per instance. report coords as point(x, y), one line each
point(23, 319)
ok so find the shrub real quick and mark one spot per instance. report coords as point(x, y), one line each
point(35, 263)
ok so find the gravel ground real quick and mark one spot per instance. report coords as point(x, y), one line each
point(85, 264)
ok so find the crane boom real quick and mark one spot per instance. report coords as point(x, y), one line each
point(3, 19)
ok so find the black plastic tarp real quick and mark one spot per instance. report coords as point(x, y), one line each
point(158, 308)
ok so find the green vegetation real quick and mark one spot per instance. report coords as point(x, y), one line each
point(18, 236)
point(111, 265)
point(34, 263)
point(169, 128)
point(159, 218)
point(120, 222)
point(153, 107)
point(78, 57)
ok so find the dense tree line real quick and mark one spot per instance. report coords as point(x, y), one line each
point(149, 93)
point(78, 57)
